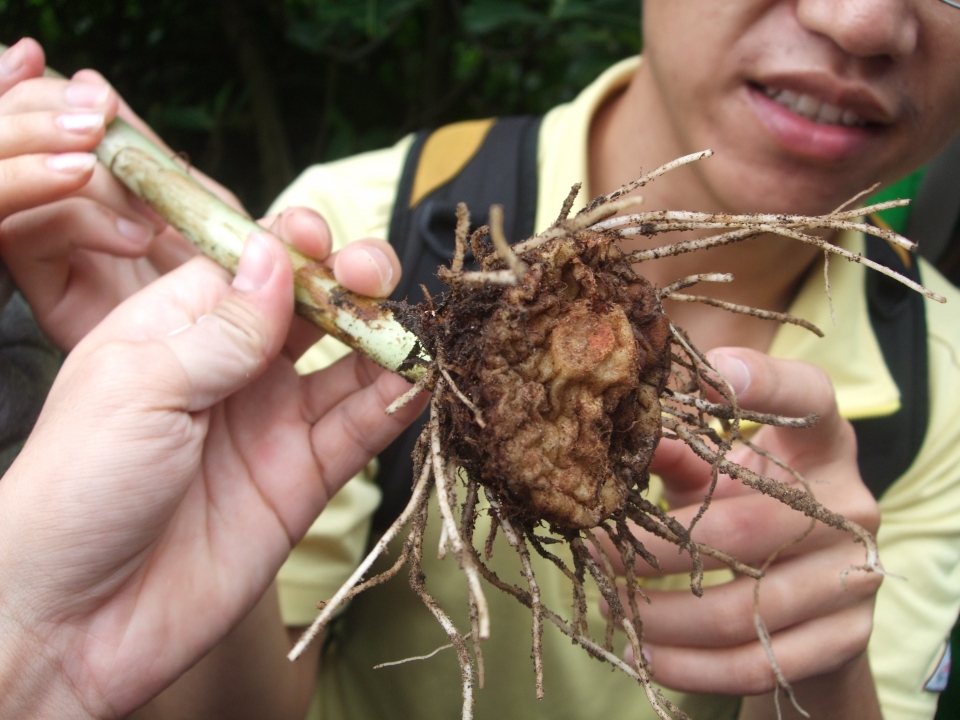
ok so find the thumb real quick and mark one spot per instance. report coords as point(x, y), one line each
point(230, 346)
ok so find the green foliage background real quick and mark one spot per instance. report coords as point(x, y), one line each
point(255, 90)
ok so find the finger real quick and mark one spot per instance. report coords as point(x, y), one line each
point(31, 180)
point(782, 387)
point(750, 528)
point(235, 341)
point(325, 389)
point(809, 649)
point(22, 60)
point(353, 425)
point(367, 267)
point(304, 230)
point(303, 335)
point(170, 250)
point(38, 245)
point(54, 94)
point(49, 132)
point(686, 477)
point(792, 592)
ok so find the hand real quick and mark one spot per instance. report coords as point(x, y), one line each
point(75, 240)
point(71, 235)
point(178, 460)
point(818, 624)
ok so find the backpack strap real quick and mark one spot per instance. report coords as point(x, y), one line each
point(481, 163)
point(887, 446)
point(935, 211)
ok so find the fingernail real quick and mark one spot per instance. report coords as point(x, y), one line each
point(256, 264)
point(734, 371)
point(140, 234)
point(384, 268)
point(81, 123)
point(73, 163)
point(12, 60)
point(86, 95)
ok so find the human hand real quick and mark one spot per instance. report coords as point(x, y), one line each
point(819, 624)
point(75, 240)
point(178, 460)
point(71, 235)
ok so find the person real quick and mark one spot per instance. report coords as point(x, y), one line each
point(178, 456)
point(806, 103)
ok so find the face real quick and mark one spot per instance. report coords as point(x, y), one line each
point(806, 102)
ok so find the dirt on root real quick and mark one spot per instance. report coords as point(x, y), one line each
point(566, 369)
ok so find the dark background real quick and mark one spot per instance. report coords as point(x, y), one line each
point(255, 90)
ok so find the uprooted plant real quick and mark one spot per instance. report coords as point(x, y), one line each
point(554, 374)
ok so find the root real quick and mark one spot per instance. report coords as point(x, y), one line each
point(746, 310)
point(445, 496)
point(417, 502)
point(395, 663)
point(544, 294)
point(418, 584)
point(517, 543)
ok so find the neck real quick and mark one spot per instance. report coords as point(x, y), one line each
point(632, 134)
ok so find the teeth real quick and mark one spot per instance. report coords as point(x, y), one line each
point(851, 119)
point(813, 109)
point(830, 114)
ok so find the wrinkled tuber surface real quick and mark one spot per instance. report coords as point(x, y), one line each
point(566, 369)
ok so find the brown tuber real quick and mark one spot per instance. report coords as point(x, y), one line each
point(566, 370)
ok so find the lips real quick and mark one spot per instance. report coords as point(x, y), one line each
point(813, 109)
point(807, 126)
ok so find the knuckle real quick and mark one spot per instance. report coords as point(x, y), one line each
point(861, 629)
point(11, 171)
point(861, 507)
point(245, 324)
point(756, 675)
point(822, 391)
point(735, 623)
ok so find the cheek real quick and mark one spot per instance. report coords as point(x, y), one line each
point(937, 72)
point(695, 49)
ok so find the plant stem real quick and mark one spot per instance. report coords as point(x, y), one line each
point(220, 232)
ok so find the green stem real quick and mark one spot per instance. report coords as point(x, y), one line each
point(220, 232)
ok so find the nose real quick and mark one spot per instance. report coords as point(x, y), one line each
point(864, 28)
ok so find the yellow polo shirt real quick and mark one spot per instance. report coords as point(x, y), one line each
point(919, 537)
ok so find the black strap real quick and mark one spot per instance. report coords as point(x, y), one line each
point(504, 172)
point(935, 211)
point(887, 446)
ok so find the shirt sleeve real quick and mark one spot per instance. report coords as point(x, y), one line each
point(355, 196)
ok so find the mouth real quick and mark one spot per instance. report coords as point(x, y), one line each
point(808, 126)
point(809, 107)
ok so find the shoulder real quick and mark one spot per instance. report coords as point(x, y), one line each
point(354, 195)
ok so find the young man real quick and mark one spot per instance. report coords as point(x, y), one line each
point(806, 103)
